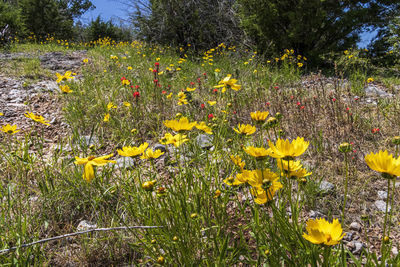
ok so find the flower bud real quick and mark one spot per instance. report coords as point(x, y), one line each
point(396, 140)
point(271, 122)
point(386, 239)
point(344, 147)
point(160, 260)
point(193, 215)
point(175, 238)
point(278, 116)
point(148, 185)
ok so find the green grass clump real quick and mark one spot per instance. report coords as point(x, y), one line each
point(123, 94)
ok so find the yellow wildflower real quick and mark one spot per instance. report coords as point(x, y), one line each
point(212, 103)
point(259, 116)
point(106, 117)
point(37, 118)
point(10, 129)
point(150, 154)
point(203, 126)
point(286, 149)
point(65, 89)
point(90, 162)
point(321, 231)
point(384, 163)
point(67, 76)
point(111, 105)
point(245, 129)
point(257, 152)
point(177, 140)
point(237, 160)
point(129, 151)
point(227, 82)
point(182, 124)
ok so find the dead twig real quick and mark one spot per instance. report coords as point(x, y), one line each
point(77, 233)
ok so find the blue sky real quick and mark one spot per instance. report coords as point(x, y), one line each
point(107, 9)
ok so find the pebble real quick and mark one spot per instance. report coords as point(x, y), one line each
point(382, 195)
point(316, 214)
point(326, 187)
point(204, 141)
point(348, 236)
point(358, 246)
point(381, 205)
point(86, 225)
point(125, 162)
point(395, 251)
point(355, 226)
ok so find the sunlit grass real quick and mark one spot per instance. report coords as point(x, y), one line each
point(245, 146)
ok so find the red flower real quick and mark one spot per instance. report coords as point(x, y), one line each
point(137, 86)
point(156, 64)
point(155, 81)
point(215, 90)
point(202, 106)
point(192, 83)
point(123, 78)
point(234, 112)
point(298, 103)
point(210, 116)
point(163, 92)
point(136, 94)
point(333, 99)
point(276, 87)
point(154, 71)
point(205, 74)
point(267, 104)
point(302, 107)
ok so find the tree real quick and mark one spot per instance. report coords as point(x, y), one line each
point(312, 27)
point(54, 17)
point(201, 23)
point(10, 22)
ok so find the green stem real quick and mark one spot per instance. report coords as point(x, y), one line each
point(385, 222)
point(346, 164)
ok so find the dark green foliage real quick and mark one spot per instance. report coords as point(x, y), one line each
point(11, 16)
point(312, 27)
point(52, 17)
point(99, 29)
point(201, 23)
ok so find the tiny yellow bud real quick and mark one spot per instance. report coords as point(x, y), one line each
point(193, 215)
point(344, 147)
point(386, 239)
point(160, 260)
point(266, 252)
point(148, 185)
point(396, 140)
point(153, 241)
point(175, 238)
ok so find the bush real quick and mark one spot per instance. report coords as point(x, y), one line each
point(200, 23)
point(98, 29)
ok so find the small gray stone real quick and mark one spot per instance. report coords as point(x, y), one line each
point(355, 226)
point(326, 187)
point(204, 141)
point(382, 195)
point(395, 251)
point(348, 236)
point(86, 225)
point(160, 147)
point(316, 214)
point(381, 205)
point(372, 90)
point(89, 140)
point(358, 246)
point(125, 162)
